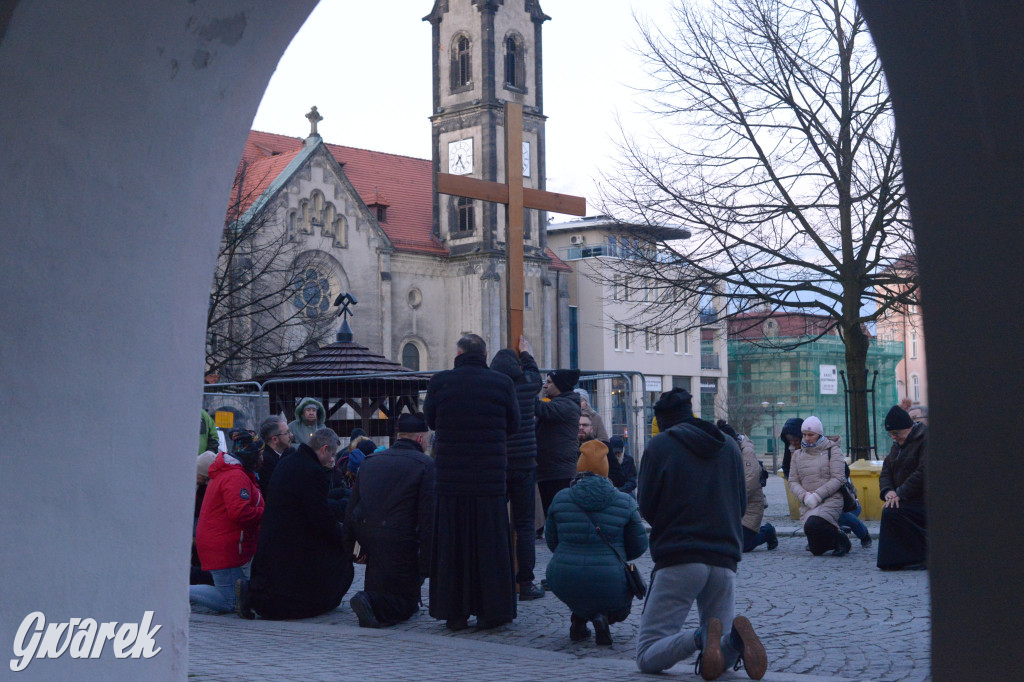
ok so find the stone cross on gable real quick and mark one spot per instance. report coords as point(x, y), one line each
point(313, 117)
point(516, 198)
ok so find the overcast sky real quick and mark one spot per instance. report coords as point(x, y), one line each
point(366, 66)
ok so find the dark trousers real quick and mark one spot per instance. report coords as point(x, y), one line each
point(392, 608)
point(519, 485)
point(752, 539)
point(903, 536)
point(548, 490)
point(850, 520)
point(822, 536)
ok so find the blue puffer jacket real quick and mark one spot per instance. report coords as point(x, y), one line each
point(584, 572)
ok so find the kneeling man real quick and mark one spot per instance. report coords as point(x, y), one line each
point(301, 568)
point(391, 516)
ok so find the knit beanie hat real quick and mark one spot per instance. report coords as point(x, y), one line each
point(593, 458)
point(673, 407)
point(616, 444)
point(583, 394)
point(564, 379)
point(898, 419)
point(356, 433)
point(203, 464)
point(813, 424)
point(245, 447)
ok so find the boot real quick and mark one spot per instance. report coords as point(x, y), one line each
point(844, 546)
point(743, 639)
point(242, 606)
point(773, 537)
point(529, 591)
point(602, 633)
point(578, 630)
point(363, 609)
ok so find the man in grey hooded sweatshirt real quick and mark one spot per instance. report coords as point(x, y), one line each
point(692, 490)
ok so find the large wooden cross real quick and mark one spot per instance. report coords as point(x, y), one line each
point(516, 198)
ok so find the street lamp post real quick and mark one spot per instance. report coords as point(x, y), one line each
point(773, 408)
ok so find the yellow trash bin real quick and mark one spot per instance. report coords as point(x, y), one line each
point(864, 476)
point(794, 504)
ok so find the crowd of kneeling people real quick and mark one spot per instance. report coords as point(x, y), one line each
point(282, 515)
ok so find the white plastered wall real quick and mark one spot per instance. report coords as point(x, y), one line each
point(116, 158)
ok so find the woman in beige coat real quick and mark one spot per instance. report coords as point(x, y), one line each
point(815, 475)
point(754, 534)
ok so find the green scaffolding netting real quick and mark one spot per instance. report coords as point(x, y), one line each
point(793, 377)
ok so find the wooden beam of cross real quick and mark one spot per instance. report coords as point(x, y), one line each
point(516, 198)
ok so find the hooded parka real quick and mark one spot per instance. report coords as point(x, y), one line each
point(819, 469)
point(584, 572)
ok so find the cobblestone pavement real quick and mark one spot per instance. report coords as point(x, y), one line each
point(826, 617)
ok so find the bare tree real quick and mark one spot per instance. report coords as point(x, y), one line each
point(265, 309)
point(744, 411)
point(778, 153)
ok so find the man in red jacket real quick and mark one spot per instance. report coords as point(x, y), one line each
point(229, 523)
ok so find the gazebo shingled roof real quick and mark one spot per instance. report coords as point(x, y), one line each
point(345, 373)
point(339, 359)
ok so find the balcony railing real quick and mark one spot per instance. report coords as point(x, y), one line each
point(709, 361)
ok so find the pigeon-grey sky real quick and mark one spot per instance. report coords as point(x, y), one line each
point(366, 66)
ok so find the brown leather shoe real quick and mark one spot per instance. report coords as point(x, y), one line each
point(755, 660)
point(711, 663)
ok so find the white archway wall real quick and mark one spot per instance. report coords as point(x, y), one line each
point(131, 117)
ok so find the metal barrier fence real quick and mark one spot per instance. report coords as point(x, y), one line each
point(371, 401)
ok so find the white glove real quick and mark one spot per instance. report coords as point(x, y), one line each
point(811, 500)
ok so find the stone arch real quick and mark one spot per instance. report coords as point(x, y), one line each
point(153, 129)
point(184, 80)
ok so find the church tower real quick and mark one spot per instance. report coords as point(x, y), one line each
point(484, 53)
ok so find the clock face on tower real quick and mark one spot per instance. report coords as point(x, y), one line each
point(526, 159)
point(460, 156)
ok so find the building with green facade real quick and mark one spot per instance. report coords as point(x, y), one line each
point(772, 379)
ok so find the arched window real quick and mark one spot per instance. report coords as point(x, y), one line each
point(515, 63)
point(467, 218)
point(462, 63)
point(915, 384)
point(411, 357)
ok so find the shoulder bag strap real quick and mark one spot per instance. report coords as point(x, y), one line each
point(601, 535)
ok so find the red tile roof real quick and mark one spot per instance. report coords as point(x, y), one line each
point(402, 183)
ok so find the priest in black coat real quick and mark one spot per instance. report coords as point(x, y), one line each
point(301, 568)
point(473, 410)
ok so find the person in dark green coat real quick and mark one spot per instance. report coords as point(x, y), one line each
point(585, 573)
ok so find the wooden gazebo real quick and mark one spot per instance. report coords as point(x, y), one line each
point(345, 373)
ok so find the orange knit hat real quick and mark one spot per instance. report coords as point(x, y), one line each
point(593, 458)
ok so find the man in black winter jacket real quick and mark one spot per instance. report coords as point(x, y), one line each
point(522, 461)
point(301, 568)
point(558, 423)
point(692, 491)
point(473, 409)
point(391, 516)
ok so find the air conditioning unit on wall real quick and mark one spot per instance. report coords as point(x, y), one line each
point(577, 239)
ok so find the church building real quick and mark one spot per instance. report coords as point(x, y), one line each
point(425, 268)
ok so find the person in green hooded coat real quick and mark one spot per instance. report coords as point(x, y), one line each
point(310, 416)
point(585, 572)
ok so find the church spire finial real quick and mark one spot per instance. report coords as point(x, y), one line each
point(313, 117)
